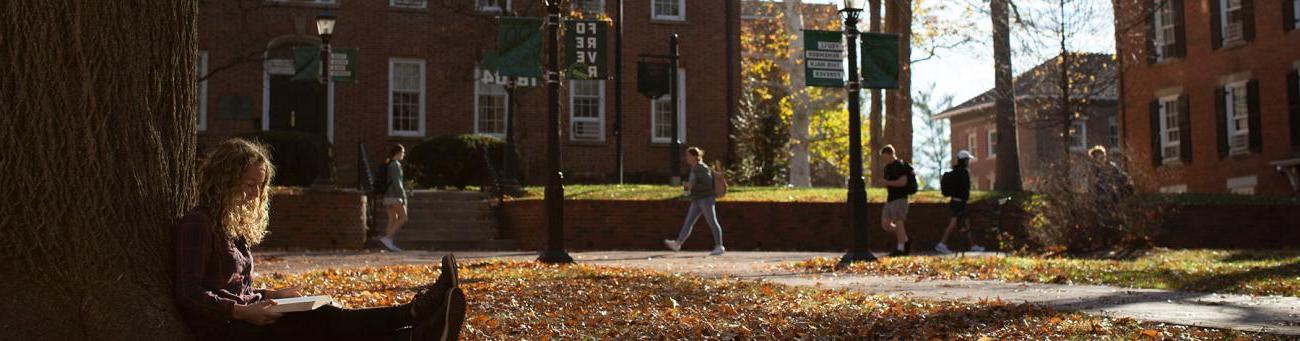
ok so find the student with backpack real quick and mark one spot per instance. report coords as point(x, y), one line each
point(955, 185)
point(900, 182)
point(389, 183)
point(703, 187)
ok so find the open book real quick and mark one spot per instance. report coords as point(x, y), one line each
point(305, 303)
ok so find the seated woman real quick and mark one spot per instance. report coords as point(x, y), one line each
point(214, 269)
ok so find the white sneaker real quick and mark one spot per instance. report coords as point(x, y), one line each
point(976, 248)
point(718, 251)
point(942, 249)
point(673, 245)
point(388, 243)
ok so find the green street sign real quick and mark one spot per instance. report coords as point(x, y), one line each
point(823, 58)
point(880, 60)
point(584, 49)
point(519, 48)
point(343, 64)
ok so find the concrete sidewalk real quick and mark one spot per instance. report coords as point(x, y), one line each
point(1271, 314)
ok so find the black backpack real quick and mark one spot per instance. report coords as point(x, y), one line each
point(380, 180)
point(912, 185)
point(946, 185)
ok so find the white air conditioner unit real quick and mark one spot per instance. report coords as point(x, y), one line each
point(1239, 143)
point(587, 130)
point(1232, 32)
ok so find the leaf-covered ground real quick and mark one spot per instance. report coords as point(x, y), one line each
point(1217, 271)
point(527, 300)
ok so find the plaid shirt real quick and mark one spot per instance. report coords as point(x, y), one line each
point(213, 273)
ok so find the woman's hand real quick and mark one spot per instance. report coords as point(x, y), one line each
point(255, 313)
point(289, 292)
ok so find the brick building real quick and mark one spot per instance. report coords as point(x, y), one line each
point(1040, 130)
point(1209, 92)
point(417, 78)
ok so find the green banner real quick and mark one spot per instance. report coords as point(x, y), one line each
point(823, 58)
point(880, 60)
point(343, 64)
point(519, 48)
point(584, 49)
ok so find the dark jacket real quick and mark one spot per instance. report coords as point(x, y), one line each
point(960, 183)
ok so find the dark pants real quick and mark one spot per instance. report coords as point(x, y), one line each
point(327, 323)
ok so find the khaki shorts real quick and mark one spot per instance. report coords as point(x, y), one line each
point(393, 201)
point(895, 210)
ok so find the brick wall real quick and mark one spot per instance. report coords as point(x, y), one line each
point(640, 225)
point(316, 219)
point(1268, 59)
point(449, 37)
point(614, 224)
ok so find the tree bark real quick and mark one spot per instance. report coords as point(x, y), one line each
point(97, 134)
point(1008, 160)
point(800, 120)
point(874, 118)
point(898, 106)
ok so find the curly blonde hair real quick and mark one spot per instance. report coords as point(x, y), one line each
point(220, 179)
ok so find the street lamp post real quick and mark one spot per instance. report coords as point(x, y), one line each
point(554, 252)
point(675, 149)
point(857, 199)
point(325, 28)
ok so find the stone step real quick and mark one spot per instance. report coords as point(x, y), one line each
point(458, 220)
point(448, 205)
point(449, 195)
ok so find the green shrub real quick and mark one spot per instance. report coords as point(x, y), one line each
point(294, 154)
point(455, 161)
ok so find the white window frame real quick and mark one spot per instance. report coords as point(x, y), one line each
point(484, 6)
point(681, 11)
point(202, 92)
point(681, 112)
point(311, 2)
point(1166, 130)
point(1237, 110)
point(420, 122)
point(1295, 15)
point(1080, 129)
point(992, 136)
point(585, 9)
point(1174, 189)
point(573, 119)
point(1242, 185)
point(1225, 21)
point(972, 145)
point(423, 4)
point(1165, 29)
point(479, 92)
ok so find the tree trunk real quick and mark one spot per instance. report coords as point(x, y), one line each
point(97, 133)
point(800, 121)
point(874, 119)
point(898, 105)
point(1008, 160)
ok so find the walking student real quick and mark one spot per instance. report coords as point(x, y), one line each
point(394, 196)
point(955, 185)
point(701, 191)
point(900, 182)
point(214, 269)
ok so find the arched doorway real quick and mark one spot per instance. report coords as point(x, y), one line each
point(289, 104)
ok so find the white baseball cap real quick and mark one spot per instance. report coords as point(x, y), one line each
point(964, 155)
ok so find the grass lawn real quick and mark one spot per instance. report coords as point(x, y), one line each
point(734, 193)
point(1217, 271)
point(527, 300)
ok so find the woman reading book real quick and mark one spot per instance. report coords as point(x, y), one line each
point(214, 269)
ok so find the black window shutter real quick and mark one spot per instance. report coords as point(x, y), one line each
point(1216, 25)
point(1248, 20)
point(1151, 34)
point(1184, 130)
point(1256, 131)
point(1156, 148)
point(1221, 119)
point(1288, 15)
point(1293, 93)
point(1180, 31)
